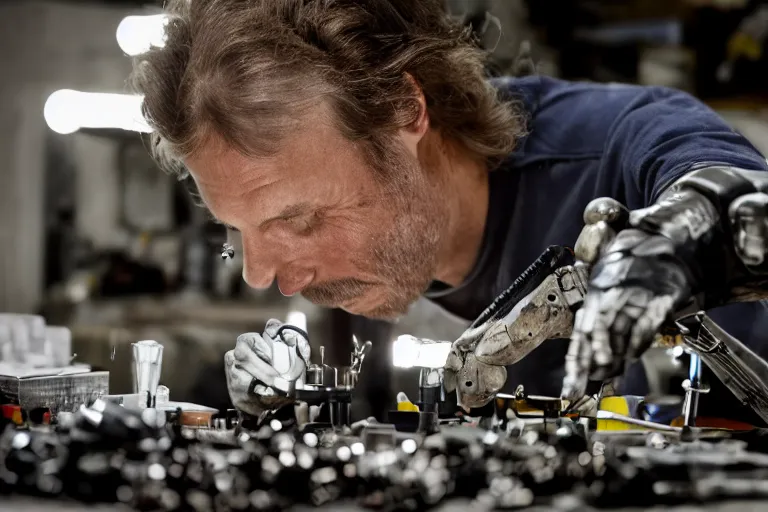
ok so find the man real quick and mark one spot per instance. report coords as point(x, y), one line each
point(364, 159)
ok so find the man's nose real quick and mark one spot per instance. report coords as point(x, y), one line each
point(259, 266)
point(294, 279)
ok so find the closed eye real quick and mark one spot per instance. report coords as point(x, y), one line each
point(305, 223)
point(299, 223)
point(295, 211)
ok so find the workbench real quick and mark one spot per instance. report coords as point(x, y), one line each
point(24, 504)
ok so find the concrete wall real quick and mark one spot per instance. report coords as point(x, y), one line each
point(49, 46)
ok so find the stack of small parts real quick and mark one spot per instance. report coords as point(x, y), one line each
point(107, 453)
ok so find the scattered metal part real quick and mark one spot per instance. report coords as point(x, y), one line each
point(607, 415)
point(743, 372)
point(108, 453)
point(147, 368)
point(358, 353)
point(227, 252)
point(135, 401)
point(332, 395)
point(62, 389)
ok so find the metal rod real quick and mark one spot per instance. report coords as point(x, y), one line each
point(692, 389)
point(607, 415)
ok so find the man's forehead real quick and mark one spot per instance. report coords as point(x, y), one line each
point(312, 138)
point(224, 179)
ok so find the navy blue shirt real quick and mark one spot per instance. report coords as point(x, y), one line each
point(586, 141)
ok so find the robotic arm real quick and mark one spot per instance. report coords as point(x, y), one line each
point(702, 245)
point(540, 305)
point(685, 252)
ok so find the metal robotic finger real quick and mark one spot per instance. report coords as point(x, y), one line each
point(749, 222)
point(603, 218)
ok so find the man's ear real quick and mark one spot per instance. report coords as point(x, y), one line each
point(414, 132)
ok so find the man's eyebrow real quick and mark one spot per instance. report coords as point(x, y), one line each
point(295, 210)
point(289, 212)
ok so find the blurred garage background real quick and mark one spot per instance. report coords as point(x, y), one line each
point(96, 238)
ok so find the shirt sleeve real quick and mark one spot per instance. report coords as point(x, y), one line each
point(664, 134)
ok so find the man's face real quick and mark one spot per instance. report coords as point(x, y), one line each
point(315, 218)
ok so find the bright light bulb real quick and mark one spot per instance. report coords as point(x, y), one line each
point(67, 111)
point(56, 112)
point(405, 350)
point(409, 352)
point(136, 34)
point(297, 319)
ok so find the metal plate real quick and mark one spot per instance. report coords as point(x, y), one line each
point(56, 392)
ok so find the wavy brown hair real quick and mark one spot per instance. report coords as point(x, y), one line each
point(245, 70)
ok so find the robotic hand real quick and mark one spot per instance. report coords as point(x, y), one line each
point(264, 369)
point(703, 244)
point(538, 306)
point(633, 289)
point(699, 243)
point(749, 222)
point(476, 383)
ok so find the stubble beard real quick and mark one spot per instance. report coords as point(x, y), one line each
point(403, 257)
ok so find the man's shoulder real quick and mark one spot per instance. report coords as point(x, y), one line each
point(571, 119)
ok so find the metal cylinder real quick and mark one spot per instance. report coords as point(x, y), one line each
point(692, 388)
point(350, 377)
point(340, 413)
point(147, 366)
point(315, 375)
point(429, 398)
point(430, 387)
